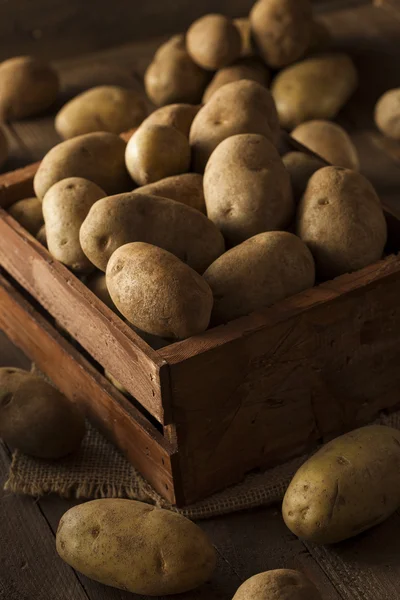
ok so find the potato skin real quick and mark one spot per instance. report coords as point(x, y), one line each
point(300, 167)
point(252, 69)
point(134, 217)
point(213, 42)
point(247, 188)
point(179, 116)
point(351, 484)
point(279, 584)
point(237, 107)
point(3, 147)
point(259, 272)
point(186, 188)
point(28, 213)
point(341, 220)
point(28, 86)
point(157, 292)
point(99, 157)
point(36, 418)
point(387, 113)
point(333, 79)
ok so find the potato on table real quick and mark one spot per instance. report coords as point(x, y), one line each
point(300, 167)
point(28, 212)
point(251, 68)
point(279, 584)
point(186, 188)
point(387, 113)
point(213, 42)
point(178, 115)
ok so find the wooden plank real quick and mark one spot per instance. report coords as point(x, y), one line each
point(17, 184)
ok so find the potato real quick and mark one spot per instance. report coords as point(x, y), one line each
point(247, 188)
point(99, 157)
point(300, 167)
point(28, 212)
point(280, 584)
point(387, 114)
point(351, 484)
point(155, 152)
point(157, 292)
point(173, 76)
point(341, 220)
point(102, 108)
point(331, 77)
point(28, 86)
point(328, 140)
point(213, 42)
point(65, 207)
point(135, 547)
point(281, 30)
point(259, 272)
point(36, 418)
point(41, 236)
point(135, 217)
point(179, 116)
point(186, 188)
point(244, 68)
point(244, 28)
point(237, 107)
point(3, 147)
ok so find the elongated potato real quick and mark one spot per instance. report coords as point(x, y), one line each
point(280, 584)
point(351, 484)
point(186, 188)
point(300, 167)
point(387, 113)
point(252, 69)
point(28, 212)
point(213, 42)
point(179, 116)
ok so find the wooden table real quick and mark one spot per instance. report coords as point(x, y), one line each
point(365, 568)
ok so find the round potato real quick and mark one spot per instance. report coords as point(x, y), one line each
point(179, 116)
point(28, 86)
point(173, 76)
point(387, 114)
point(331, 77)
point(281, 30)
point(300, 167)
point(280, 584)
point(28, 212)
point(328, 140)
point(244, 28)
point(186, 188)
point(65, 207)
point(41, 236)
point(36, 418)
point(99, 157)
point(351, 484)
point(341, 220)
point(252, 69)
point(3, 147)
point(103, 108)
point(259, 272)
point(213, 42)
point(157, 292)
point(237, 107)
point(134, 217)
point(135, 547)
point(155, 152)
point(247, 188)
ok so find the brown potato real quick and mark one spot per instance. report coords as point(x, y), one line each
point(36, 418)
point(237, 107)
point(155, 152)
point(3, 147)
point(244, 28)
point(99, 157)
point(247, 188)
point(28, 86)
point(341, 220)
point(281, 30)
point(300, 167)
point(280, 584)
point(173, 76)
point(28, 212)
point(244, 68)
point(102, 108)
point(179, 116)
point(259, 272)
point(41, 236)
point(328, 140)
point(186, 188)
point(213, 42)
point(387, 114)
point(157, 292)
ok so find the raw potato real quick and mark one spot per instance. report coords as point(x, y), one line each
point(36, 418)
point(331, 77)
point(351, 484)
point(387, 113)
point(179, 116)
point(328, 140)
point(237, 107)
point(173, 76)
point(41, 236)
point(280, 584)
point(28, 86)
point(245, 68)
point(247, 188)
point(99, 157)
point(259, 272)
point(186, 188)
point(157, 292)
point(341, 220)
point(135, 547)
point(300, 167)
point(103, 108)
point(3, 147)
point(213, 42)
point(65, 207)
point(244, 28)
point(28, 212)
point(135, 217)
point(281, 30)
point(155, 152)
